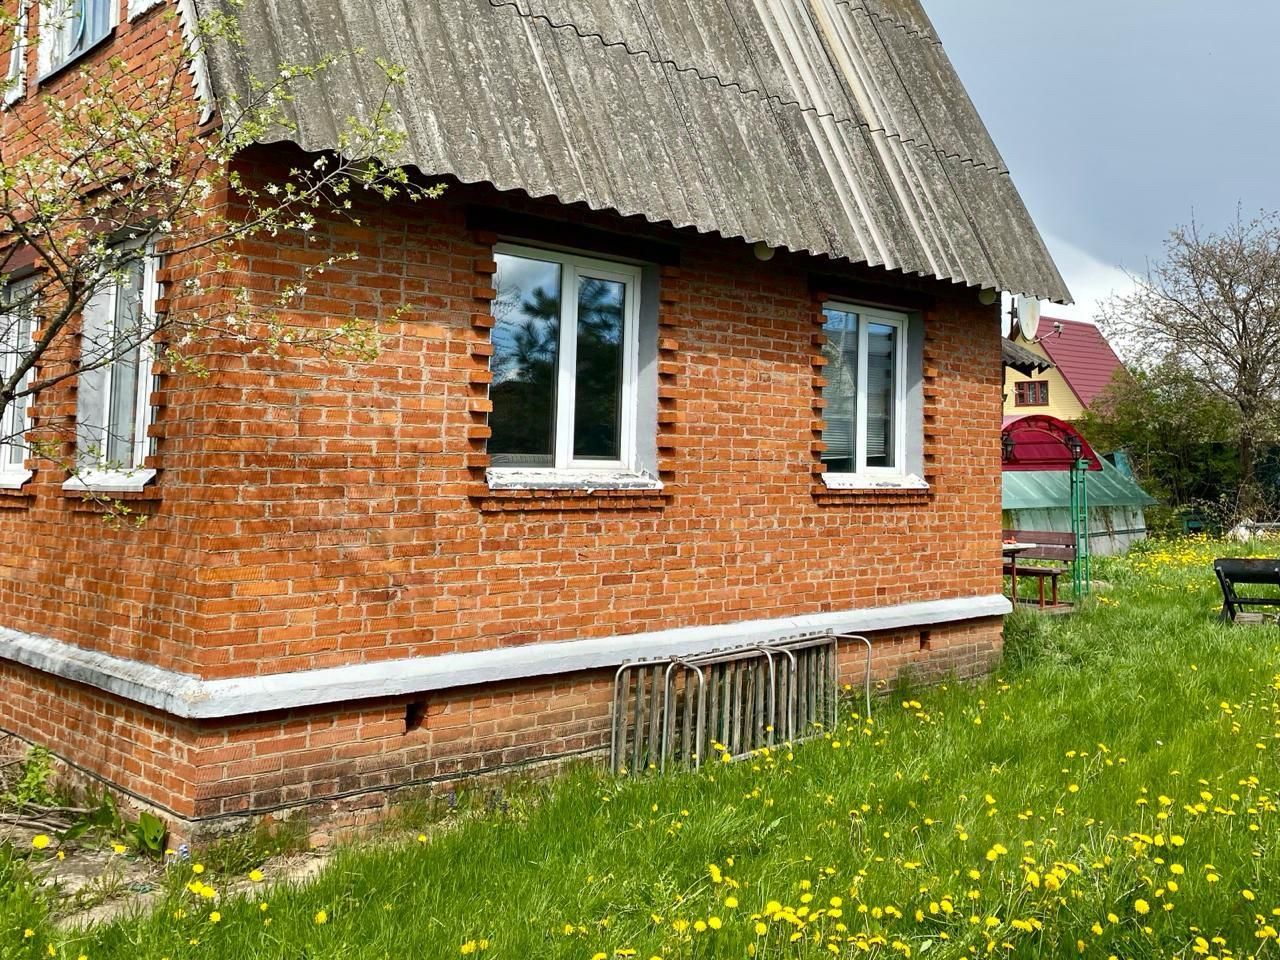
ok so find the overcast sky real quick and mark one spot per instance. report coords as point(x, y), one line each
point(1120, 118)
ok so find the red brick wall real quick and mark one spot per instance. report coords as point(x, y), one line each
point(354, 523)
point(131, 747)
point(316, 512)
point(122, 588)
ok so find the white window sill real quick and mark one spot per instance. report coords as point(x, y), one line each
point(49, 71)
point(14, 479)
point(587, 481)
point(109, 481)
point(865, 481)
point(138, 7)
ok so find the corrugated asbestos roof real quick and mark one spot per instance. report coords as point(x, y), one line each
point(1021, 359)
point(1046, 489)
point(835, 127)
point(1083, 357)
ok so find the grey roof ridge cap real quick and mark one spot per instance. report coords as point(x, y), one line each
point(190, 697)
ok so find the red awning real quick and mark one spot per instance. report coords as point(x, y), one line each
point(1039, 442)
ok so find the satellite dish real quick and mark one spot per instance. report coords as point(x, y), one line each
point(1028, 317)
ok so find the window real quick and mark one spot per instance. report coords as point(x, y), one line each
point(17, 302)
point(564, 362)
point(865, 415)
point(70, 28)
point(15, 76)
point(1031, 393)
point(113, 391)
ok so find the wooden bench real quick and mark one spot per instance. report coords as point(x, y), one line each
point(1233, 571)
point(1059, 549)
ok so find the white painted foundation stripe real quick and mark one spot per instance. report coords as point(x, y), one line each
point(189, 697)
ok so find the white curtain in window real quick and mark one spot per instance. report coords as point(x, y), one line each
point(881, 386)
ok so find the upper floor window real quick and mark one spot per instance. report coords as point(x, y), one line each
point(564, 362)
point(15, 76)
point(70, 28)
point(17, 303)
point(113, 408)
point(1031, 393)
point(864, 420)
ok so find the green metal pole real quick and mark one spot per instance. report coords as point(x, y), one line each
point(1082, 574)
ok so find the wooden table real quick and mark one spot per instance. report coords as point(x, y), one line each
point(1011, 550)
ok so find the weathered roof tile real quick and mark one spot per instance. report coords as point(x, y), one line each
point(835, 127)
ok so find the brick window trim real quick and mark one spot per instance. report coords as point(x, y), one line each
point(912, 490)
point(91, 489)
point(638, 491)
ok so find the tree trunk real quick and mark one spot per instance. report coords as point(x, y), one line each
point(1250, 499)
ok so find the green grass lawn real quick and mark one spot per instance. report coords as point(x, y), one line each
point(1113, 791)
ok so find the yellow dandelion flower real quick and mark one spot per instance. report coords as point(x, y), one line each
point(714, 923)
point(215, 917)
point(321, 917)
point(40, 841)
point(1142, 907)
point(256, 876)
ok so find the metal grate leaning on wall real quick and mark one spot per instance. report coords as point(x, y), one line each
point(681, 710)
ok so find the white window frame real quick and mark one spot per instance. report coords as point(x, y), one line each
point(16, 72)
point(13, 476)
point(862, 475)
point(47, 66)
point(111, 478)
point(599, 473)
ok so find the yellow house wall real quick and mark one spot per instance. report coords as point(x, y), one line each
point(1062, 402)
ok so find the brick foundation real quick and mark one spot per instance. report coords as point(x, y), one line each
point(345, 765)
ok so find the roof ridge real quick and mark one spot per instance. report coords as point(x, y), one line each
point(752, 90)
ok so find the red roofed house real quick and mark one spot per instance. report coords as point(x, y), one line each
point(1083, 365)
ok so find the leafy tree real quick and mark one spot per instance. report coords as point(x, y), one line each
point(1180, 436)
point(1211, 309)
point(129, 164)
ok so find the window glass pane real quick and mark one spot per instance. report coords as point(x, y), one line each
point(841, 391)
point(127, 332)
point(597, 413)
point(13, 72)
point(15, 330)
point(526, 336)
point(97, 21)
point(882, 369)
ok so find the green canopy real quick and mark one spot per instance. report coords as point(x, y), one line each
point(1041, 489)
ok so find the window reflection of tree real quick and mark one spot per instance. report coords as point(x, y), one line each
point(598, 384)
point(526, 344)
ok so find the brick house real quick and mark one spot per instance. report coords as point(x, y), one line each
point(701, 347)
